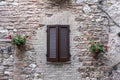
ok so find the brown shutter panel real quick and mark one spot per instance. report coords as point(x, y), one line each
point(52, 43)
point(64, 54)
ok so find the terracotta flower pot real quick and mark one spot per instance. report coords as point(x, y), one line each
point(96, 54)
point(21, 47)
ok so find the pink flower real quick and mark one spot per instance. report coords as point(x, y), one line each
point(27, 36)
point(8, 37)
point(106, 47)
point(95, 42)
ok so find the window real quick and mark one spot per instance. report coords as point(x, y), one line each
point(58, 43)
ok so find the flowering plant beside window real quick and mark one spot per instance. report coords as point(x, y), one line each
point(17, 39)
point(97, 48)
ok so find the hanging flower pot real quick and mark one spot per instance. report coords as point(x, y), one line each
point(96, 48)
point(19, 40)
point(96, 54)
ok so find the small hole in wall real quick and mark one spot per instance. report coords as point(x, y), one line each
point(118, 34)
point(100, 2)
point(2, 0)
point(60, 0)
point(49, 15)
point(61, 3)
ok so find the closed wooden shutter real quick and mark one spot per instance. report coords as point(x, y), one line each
point(58, 43)
point(52, 43)
point(64, 54)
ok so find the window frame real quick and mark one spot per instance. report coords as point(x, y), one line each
point(58, 58)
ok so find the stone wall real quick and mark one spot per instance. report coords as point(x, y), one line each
point(6, 60)
point(113, 11)
point(31, 17)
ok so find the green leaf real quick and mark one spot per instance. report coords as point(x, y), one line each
point(97, 47)
point(19, 40)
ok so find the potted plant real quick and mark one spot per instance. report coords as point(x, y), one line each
point(97, 48)
point(19, 40)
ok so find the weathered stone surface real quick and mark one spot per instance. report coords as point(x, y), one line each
point(5, 55)
point(86, 9)
point(1, 55)
point(87, 22)
point(32, 65)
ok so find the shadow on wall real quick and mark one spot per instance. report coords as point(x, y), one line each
point(60, 2)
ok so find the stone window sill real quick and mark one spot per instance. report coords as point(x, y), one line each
point(68, 62)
